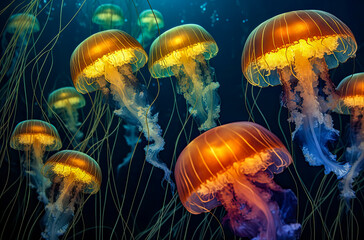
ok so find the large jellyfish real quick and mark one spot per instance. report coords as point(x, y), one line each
point(20, 26)
point(182, 51)
point(106, 61)
point(296, 49)
point(65, 102)
point(233, 165)
point(149, 22)
point(36, 137)
point(108, 16)
point(74, 172)
point(351, 92)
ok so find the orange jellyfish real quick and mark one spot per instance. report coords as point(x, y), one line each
point(182, 51)
point(351, 92)
point(73, 172)
point(36, 137)
point(106, 61)
point(65, 102)
point(149, 22)
point(233, 165)
point(108, 16)
point(20, 26)
point(297, 49)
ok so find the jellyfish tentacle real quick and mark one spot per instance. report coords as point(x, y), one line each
point(133, 107)
point(132, 138)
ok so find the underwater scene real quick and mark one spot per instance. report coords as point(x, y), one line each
point(195, 119)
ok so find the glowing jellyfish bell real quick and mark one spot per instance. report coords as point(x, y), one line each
point(233, 165)
point(351, 92)
point(149, 21)
point(106, 61)
point(182, 52)
point(295, 49)
point(75, 172)
point(108, 16)
point(36, 137)
point(65, 102)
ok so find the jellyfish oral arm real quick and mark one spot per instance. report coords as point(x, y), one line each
point(133, 108)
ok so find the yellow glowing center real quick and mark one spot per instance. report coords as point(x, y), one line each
point(66, 102)
point(104, 17)
point(116, 59)
point(284, 56)
point(77, 174)
point(248, 166)
point(29, 139)
point(176, 57)
point(354, 101)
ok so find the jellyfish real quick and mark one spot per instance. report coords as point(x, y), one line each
point(182, 51)
point(149, 22)
point(74, 172)
point(351, 92)
point(233, 165)
point(296, 49)
point(106, 61)
point(65, 102)
point(20, 26)
point(108, 16)
point(36, 137)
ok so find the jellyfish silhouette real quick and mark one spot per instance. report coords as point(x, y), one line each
point(351, 92)
point(35, 137)
point(74, 172)
point(296, 49)
point(149, 22)
point(108, 16)
point(182, 51)
point(233, 165)
point(20, 26)
point(65, 102)
point(106, 61)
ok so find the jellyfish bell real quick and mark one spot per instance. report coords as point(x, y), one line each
point(182, 52)
point(295, 49)
point(65, 102)
point(108, 16)
point(351, 101)
point(149, 21)
point(75, 172)
point(36, 136)
point(233, 165)
point(106, 61)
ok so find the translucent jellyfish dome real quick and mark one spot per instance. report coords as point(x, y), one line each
point(66, 97)
point(108, 16)
point(233, 165)
point(149, 21)
point(351, 92)
point(22, 22)
point(32, 133)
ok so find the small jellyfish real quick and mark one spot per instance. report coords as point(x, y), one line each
point(65, 102)
point(233, 165)
point(36, 137)
point(351, 92)
point(182, 51)
point(150, 22)
point(297, 49)
point(73, 172)
point(20, 26)
point(106, 61)
point(108, 16)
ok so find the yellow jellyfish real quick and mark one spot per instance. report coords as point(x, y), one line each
point(108, 16)
point(182, 51)
point(36, 137)
point(65, 102)
point(296, 49)
point(19, 26)
point(106, 61)
point(149, 22)
point(74, 172)
point(351, 101)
